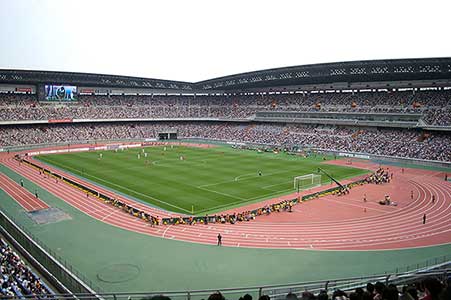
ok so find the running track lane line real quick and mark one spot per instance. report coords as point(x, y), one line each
point(424, 202)
point(22, 196)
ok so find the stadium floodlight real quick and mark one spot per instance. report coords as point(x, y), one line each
point(306, 181)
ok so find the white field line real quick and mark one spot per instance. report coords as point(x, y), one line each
point(265, 195)
point(301, 188)
point(161, 163)
point(202, 187)
point(128, 189)
point(271, 185)
point(244, 175)
point(220, 193)
point(244, 201)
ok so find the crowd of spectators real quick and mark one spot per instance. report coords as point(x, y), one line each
point(390, 142)
point(380, 176)
point(434, 105)
point(429, 288)
point(437, 117)
point(232, 218)
point(17, 279)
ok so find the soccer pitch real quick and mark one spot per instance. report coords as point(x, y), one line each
point(207, 180)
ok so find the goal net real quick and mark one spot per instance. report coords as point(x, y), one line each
point(307, 181)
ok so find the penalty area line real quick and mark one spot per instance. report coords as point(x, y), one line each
point(248, 175)
point(220, 193)
point(125, 188)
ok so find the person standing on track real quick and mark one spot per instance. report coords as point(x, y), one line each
point(36, 194)
point(433, 199)
point(411, 195)
point(364, 198)
point(219, 239)
point(424, 219)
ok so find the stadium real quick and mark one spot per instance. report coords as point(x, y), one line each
point(225, 150)
point(112, 185)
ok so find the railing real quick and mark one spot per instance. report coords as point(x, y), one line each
point(69, 276)
point(70, 143)
point(278, 291)
point(387, 159)
point(84, 288)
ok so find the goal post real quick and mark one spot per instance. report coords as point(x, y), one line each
point(306, 181)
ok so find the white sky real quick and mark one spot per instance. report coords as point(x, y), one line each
point(194, 40)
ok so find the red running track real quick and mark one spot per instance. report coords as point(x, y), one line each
point(332, 222)
point(27, 200)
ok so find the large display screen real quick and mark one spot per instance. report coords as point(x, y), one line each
point(60, 92)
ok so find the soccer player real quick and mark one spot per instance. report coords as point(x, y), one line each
point(259, 173)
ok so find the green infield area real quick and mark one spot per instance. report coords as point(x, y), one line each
point(196, 180)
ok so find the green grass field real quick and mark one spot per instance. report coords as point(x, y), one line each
point(209, 180)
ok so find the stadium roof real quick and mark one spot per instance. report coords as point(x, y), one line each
point(355, 71)
point(88, 79)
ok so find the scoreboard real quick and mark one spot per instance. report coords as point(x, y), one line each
point(57, 92)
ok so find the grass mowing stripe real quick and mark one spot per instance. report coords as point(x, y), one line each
point(249, 175)
point(123, 187)
point(205, 178)
point(224, 194)
point(278, 193)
